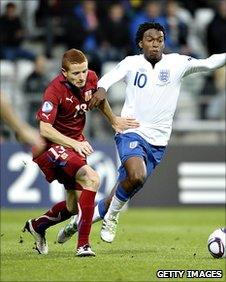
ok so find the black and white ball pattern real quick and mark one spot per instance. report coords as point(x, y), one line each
point(216, 243)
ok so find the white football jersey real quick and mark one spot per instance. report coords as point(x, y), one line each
point(152, 93)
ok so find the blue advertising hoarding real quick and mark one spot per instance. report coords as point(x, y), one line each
point(24, 185)
point(188, 175)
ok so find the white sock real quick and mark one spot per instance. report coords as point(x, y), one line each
point(115, 207)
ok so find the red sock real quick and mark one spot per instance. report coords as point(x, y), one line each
point(56, 214)
point(86, 210)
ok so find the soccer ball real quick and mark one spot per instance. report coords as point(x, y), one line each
point(216, 243)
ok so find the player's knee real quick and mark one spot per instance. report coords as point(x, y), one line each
point(137, 179)
point(88, 178)
point(92, 181)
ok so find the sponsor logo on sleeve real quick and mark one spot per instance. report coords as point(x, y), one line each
point(45, 115)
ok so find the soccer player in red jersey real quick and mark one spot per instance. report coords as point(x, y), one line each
point(62, 120)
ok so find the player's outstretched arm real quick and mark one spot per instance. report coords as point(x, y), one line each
point(119, 124)
point(24, 132)
point(209, 64)
point(106, 81)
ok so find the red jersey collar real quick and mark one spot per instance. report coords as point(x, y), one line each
point(62, 78)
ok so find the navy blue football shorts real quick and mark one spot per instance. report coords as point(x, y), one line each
point(133, 145)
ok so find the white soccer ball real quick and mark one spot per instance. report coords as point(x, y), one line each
point(216, 243)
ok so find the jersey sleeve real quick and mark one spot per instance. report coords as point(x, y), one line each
point(193, 65)
point(114, 75)
point(48, 111)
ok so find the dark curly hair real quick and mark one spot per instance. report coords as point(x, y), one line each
point(146, 26)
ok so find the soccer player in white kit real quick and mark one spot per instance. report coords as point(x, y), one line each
point(153, 81)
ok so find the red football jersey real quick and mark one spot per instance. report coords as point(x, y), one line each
point(65, 108)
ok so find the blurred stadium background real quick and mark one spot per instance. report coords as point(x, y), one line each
point(35, 34)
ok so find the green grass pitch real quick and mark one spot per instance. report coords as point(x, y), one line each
point(147, 240)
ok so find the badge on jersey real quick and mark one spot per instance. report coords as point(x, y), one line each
point(133, 144)
point(47, 107)
point(164, 75)
point(88, 95)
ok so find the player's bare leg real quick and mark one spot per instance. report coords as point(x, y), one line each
point(136, 175)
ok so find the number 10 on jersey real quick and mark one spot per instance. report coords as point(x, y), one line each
point(140, 79)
